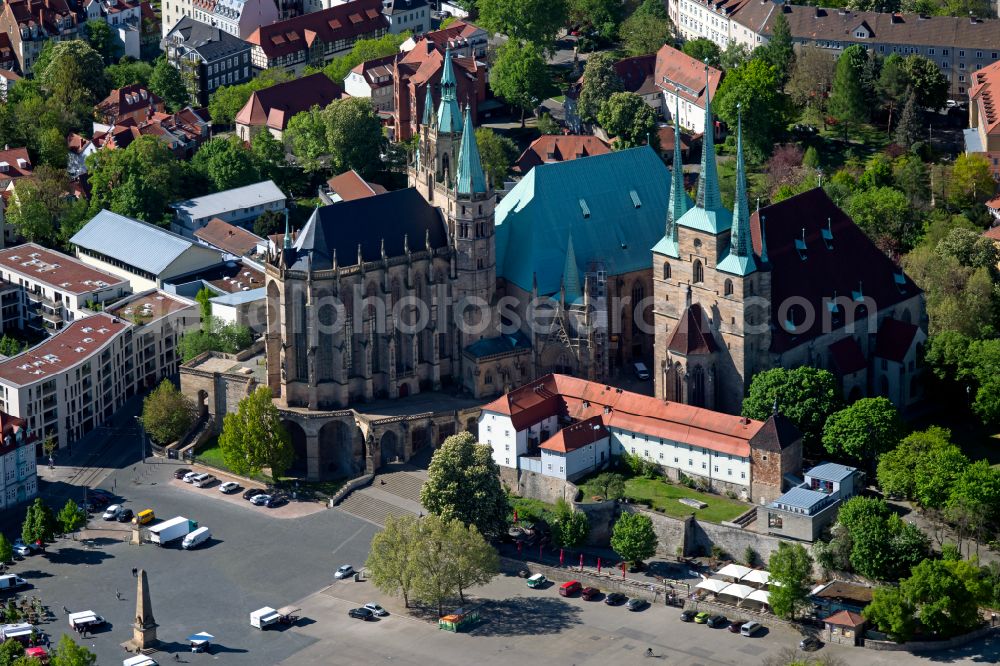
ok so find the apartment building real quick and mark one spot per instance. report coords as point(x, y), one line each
point(238, 18)
point(124, 17)
point(76, 380)
point(983, 135)
point(28, 24)
point(58, 289)
point(684, 84)
point(19, 447)
point(206, 57)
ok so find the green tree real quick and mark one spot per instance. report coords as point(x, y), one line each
point(646, 30)
point(305, 137)
point(253, 438)
point(959, 298)
point(38, 204)
point(473, 560)
point(39, 523)
point(628, 118)
point(166, 82)
point(464, 484)
point(859, 509)
point(52, 149)
point(601, 16)
point(610, 485)
point(633, 537)
point(226, 163)
point(884, 214)
point(791, 572)
point(73, 75)
point(270, 222)
point(703, 50)
point(893, 84)
point(204, 300)
point(68, 653)
point(806, 396)
point(546, 125)
point(167, 414)
point(974, 497)
point(391, 563)
point(6, 550)
point(535, 21)
point(864, 430)
point(912, 177)
point(928, 83)
point(520, 76)
point(10, 346)
point(778, 51)
point(363, 50)
point(101, 39)
point(353, 135)
point(890, 611)
point(71, 517)
point(734, 55)
point(753, 86)
point(129, 72)
point(886, 548)
point(896, 469)
point(971, 180)
point(908, 130)
point(847, 100)
point(946, 595)
point(497, 154)
point(227, 101)
point(934, 473)
point(811, 158)
point(269, 155)
point(570, 528)
point(600, 81)
point(11, 650)
point(970, 248)
point(136, 182)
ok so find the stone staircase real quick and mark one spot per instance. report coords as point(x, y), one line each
point(395, 492)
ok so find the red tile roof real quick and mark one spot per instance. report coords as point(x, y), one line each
point(56, 270)
point(689, 336)
point(560, 148)
point(18, 163)
point(985, 94)
point(993, 233)
point(580, 400)
point(124, 101)
point(849, 263)
point(576, 435)
point(894, 339)
point(680, 73)
point(638, 73)
point(993, 203)
point(455, 35)
point(342, 22)
point(847, 356)
point(228, 237)
point(846, 618)
point(273, 107)
point(10, 425)
point(665, 133)
point(350, 186)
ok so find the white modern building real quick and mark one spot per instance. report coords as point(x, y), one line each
point(18, 449)
point(239, 18)
point(144, 254)
point(58, 289)
point(77, 379)
point(246, 308)
point(239, 206)
point(124, 17)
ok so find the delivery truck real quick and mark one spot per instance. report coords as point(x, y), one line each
point(196, 538)
point(10, 582)
point(170, 530)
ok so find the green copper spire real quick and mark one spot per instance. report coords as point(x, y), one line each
point(428, 118)
point(471, 179)
point(288, 232)
point(678, 197)
point(449, 115)
point(708, 181)
point(740, 260)
point(571, 274)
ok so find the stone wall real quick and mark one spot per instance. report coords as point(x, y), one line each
point(671, 533)
point(602, 516)
point(733, 541)
point(538, 486)
point(929, 646)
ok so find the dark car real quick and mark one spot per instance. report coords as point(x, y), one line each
point(125, 516)
point(636, 604)
point(589, 593)
point(717, 621)
point(252, 492)
point(361, 613)
point(96, 503)
point(276, 501)
point(687, 616)
point(810, 644)
point(180, 472)
point(734, 627)
point(101, 492)
point(615, 599)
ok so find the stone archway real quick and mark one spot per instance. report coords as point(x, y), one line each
point(404, 390)
point(338, 458)
point(421, 438)
point(300, 464)
point(202, 403)
point(390, 448)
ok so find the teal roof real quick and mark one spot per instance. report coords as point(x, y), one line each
point(680, 202)
point(571, 274)
point(449, 115)
point(667, 246)
point(740, 259)
point(710, 221)
point(499, 345)
point(428, 107)
point(471, 179)
point(615, 205)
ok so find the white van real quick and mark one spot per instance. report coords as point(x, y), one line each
point(12, 582)
point(196, 538)
point(203, 480)
point(750, 628)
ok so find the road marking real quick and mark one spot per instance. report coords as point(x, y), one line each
point(350, 538)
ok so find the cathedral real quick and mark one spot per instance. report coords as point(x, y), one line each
point(795, 283)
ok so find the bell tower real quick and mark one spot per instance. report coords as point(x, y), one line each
point(436, 158)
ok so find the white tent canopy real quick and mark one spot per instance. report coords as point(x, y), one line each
point(757, 576)
point(741, 592)
point(760, 595)
point(734, 571)
point(712, 585)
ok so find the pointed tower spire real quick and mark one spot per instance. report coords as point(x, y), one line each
point(471, 179)
point(708, 181)
point(571, 274)
point(678, 197)
point(740, 260)
point(449, 117)
point(428, 119)
point(763, 239)
point(288, 232)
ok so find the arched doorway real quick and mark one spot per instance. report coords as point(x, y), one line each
point(300, 464)
point(421, 438)
point(338, 458)
point(472, 426)
point(202, 402)
point(389, 446)
point(404, 390)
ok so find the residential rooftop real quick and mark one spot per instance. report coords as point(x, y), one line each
point(219, 203)
point(830, 472)
point(228, 237)
point(148, 306)
point(55, 269)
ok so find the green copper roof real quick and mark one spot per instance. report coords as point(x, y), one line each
point(680, 202)
point(471, 179)
point(613, 204)
point(428, 107)
point(708, 214)
point(740, 259)
point(571, 274)
point(449, 115)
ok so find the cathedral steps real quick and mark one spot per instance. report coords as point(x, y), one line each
point(370, 508)
point(393, 493)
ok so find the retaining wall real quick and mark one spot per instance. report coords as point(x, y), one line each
point(929, 646)
point(609, 580)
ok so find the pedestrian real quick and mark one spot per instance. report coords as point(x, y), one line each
point(135, 572)
point(118, 594)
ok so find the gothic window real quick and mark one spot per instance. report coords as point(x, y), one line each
point(396, 291)
point(637, 293)
point(479, 263)
point(666, 270)
point(728, 288)
point(699, 271)
point(489, 379)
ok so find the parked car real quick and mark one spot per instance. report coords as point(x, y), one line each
point(229, 487)
point(717, 621)
point(734, 627)
point(615, 599)
point(96, 503)
point(344, 571)
point(101, 492)
point(125, 515)
point(250, 493)
point(260, 500)
point(190, 477)
point(361, 614)
point(750, 628)
point(376, 609)
point(701, 618)
point(111, 513)
point(687, 616)
point(538, 580)
point(810, 644)
point(203, 480)
point(22, 549)
point(181, 472)
point(275, 501)
point(640, 370)
point(589, 593)
point(143, 517)
point(569, 589)
point(636, 604)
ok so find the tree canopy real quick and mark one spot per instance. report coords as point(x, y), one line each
point(633, 537)
point(520, 76)
point(703, 50)
point(791, 572)
point(864, 430)
point(806, 396)
point(535, 21)
point(136, 182)
point(755, 85)
point(627, 118)
point(167, 414)
point(254, 438)
point(497, 154)
point(600, 81)
point(646, 30)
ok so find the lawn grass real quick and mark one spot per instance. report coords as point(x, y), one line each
point(530, 509)
point(664, 496)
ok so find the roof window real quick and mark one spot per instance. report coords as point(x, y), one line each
point(584, 208)
point(800, 245)
point(636, 202)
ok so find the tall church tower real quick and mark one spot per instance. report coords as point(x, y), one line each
point(436, 158)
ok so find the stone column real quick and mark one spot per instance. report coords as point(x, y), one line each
point(312, 456)
point(144, 627)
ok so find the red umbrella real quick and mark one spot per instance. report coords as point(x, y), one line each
point(623, 570)
point(560, 557)
point(598, 565)
point(581, 561)
point(515, 516)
